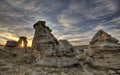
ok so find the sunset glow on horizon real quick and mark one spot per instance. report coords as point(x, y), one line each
point(74, 20)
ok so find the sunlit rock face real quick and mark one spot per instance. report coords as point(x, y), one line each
point(104, 51)
point(52, 51)
point(102, 36)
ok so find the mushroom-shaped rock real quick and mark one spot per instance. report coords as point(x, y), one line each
point(22, 42)
point(52, 52)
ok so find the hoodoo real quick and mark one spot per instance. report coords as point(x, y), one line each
point(21, 43)
point(52, 51)
point(104, 50)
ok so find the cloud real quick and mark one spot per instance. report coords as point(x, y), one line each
point(75, 20)
point(18, 16)
point(86, 17)
point(79, 12)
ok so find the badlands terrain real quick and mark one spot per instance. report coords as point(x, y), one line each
point(49, 56)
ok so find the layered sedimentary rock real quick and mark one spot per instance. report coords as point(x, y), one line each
point(52, 52)
point(10, 44)
point(102, 36)
point(43, 40)
point(104, 51)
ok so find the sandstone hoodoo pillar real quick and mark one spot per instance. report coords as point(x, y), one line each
point(43, 40)
point(22, 42)
point(52, 52)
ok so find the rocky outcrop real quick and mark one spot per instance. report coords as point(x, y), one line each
point(101, 58)
point(65, 48)
point(102, 36)
point(104, 51)
point(10, 45)
point(22, 42)
point(52, 52)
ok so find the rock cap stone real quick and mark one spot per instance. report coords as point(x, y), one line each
point(43, 24)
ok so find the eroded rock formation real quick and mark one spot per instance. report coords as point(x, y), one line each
point(22, 42)
point(102, 36)
point(43, 40)
point(104, 51)
point(10, 44)
point(52, 52)
point(101, 58)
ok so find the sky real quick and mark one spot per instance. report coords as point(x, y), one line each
point(74, 20)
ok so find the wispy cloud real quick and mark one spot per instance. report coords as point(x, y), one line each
point(87, 17)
